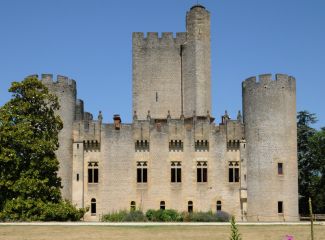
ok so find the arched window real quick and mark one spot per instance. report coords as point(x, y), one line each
point(93, 207)
point(132, 206)
point(162, 205)
point(190, 206)
point(218, 206)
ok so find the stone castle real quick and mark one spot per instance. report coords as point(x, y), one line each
point(173, 155)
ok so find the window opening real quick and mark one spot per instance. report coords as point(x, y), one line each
point(202, 171)
point(280, 207)
point(162, 205)
point(142, 172)
point(280, 168)
point(218, 206)
point(190, 206)
point(176, 172)
point(132, 206)
point(234, 171)
point(93, 206)
point(93, 172)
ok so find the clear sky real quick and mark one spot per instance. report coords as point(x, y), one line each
point(90, 41)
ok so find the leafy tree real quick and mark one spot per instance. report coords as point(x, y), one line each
point(317, 152)
point(29, 131)
point(305, 163)
point(235, 235)
point(311, 161)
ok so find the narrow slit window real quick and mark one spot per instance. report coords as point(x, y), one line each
point(77, 177)
point(156, 96)
point(280, 207)
point(218, 206)
point(190, 206)
point(280, 168)
point(93, 207)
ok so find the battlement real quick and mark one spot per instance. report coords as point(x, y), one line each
point(154, 40)
point(266, 81)
point(61, 80)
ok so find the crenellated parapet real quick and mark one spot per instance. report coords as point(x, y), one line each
point(61, 81)
point(265, 81)
point(153, 40)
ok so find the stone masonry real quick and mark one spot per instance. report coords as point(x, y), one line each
point(173, 155)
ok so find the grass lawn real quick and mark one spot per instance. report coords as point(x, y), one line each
point(156, 232)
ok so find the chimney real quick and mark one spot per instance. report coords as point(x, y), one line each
point(117, 121)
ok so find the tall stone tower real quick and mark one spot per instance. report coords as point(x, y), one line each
point(196, 69)
point(271, 135)
point(173, 74)
point(65, 89)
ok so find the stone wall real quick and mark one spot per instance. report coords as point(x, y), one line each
point(173, 74)
point(271, 134)
point(65, 89)
point(118, 159)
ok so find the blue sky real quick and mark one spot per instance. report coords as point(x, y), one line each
point(90, 41)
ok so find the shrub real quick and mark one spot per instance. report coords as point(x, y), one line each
point(20, 209)
point(223, 216)
point(124, 216)
point(206, 217)
point(135, 216)
point(235, 235)
point(114, 216)
point(168, 215)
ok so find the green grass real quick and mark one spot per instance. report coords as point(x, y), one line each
point(156, 232)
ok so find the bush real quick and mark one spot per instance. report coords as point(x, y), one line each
point(206, 217)
point(114, 216)
point(20, 209)
point(223, 216)
point(125, 216)
point(168, 215)
point(135, 216)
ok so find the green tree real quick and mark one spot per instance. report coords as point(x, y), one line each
point(235, 235)
point(305, 163)
point(29, 131)
point(317, 152)
point(311, 163)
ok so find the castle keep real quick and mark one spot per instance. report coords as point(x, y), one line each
point(173, 155)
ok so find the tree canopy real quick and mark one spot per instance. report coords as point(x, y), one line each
point(29, 131)
point(311, 163)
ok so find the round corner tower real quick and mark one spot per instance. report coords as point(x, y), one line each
point(269, 108)
point(65, 89)
point(196, 69)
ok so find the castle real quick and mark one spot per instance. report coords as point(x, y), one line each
point(173, 155)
